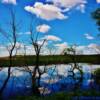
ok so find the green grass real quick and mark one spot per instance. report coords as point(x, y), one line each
point(62, 96)
point(50, 59)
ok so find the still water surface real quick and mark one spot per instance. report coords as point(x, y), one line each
point(56, 79)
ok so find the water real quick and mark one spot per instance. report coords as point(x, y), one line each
point(56, 79)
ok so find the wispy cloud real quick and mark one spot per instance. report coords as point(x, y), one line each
point(62, 45)
point(88, 36)
point(52, 38)
point(9, 1)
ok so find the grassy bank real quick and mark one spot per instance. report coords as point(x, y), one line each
point(64, 96)
point(50, 59)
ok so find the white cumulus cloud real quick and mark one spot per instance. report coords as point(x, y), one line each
point(61, 47)
point(98, 1)
point(69, 4)
point(46, 11)
point(95, 47)
point(43, 28)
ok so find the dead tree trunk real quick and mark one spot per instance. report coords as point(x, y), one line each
point(12, 37)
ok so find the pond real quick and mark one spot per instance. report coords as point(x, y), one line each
point(55, 79)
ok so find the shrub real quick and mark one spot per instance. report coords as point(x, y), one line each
point(97, 76)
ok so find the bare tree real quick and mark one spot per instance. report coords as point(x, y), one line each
point(34, 38)
point(12, 38)
point(75, 66)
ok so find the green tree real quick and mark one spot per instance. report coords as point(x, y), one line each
point(96, 16)
point(97, 76)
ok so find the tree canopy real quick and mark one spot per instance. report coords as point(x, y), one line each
point(96, 16)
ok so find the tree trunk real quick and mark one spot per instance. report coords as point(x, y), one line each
point(7, 79)
point(35, 87)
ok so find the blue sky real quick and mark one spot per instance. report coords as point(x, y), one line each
point(74, 26)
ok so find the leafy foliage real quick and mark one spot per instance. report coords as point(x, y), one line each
point(96, 16)
point(97, 76)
